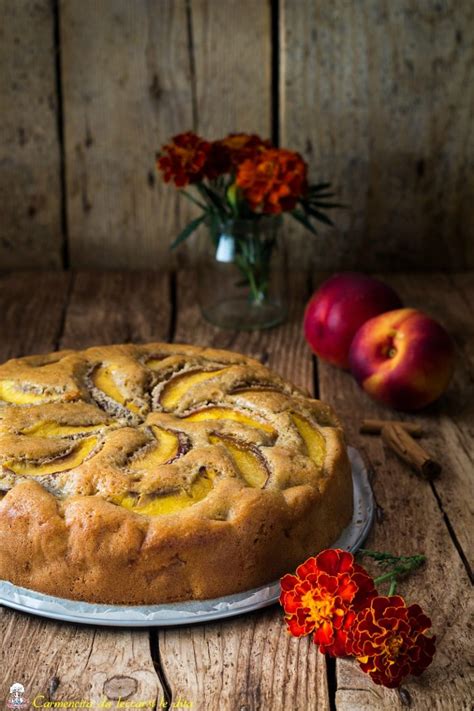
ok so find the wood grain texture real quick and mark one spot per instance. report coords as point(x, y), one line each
point(450, 421)
point(250, 663)
point(379, 97)
point(231, 51)
point(31, 309)
point(117, 307)
point(30, 188)
point(127, 88)
point(69, 662)
point(40, 313)
point(410, 520)
point(133, 75)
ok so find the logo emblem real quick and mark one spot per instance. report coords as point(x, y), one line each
point(17, 698)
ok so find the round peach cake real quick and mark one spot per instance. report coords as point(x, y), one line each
point(139, 474)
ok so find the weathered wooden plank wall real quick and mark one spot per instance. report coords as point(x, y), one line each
point(378, 96)
point(30, 163)
point(140, 72)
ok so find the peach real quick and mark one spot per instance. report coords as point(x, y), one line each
point(339, 308)
point(402, 358)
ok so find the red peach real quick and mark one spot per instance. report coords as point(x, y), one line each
point(402, 358)
point(338, 309)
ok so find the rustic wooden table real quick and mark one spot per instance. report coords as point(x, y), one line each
point(251, 662)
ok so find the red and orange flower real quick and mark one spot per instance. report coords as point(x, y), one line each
point(324, 597)
point(389, 641)
point(273, 180)
point(226, 154)
point(335, 599)
point(184, 159)
point(242, 177)
point(242, 146)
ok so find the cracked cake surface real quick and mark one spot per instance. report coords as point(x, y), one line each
point(137, 474)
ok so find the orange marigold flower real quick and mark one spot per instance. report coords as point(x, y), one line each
point(244, 145)
point(388, 638)
point(183, 160)
point(323, 598)
point(226, 154)
point(273, 180)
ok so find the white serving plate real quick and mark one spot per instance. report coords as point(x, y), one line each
point(185, 613)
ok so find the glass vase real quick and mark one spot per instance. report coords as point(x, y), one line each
point(242, 273)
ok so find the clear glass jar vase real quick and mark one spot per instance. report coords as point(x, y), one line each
point(242, 273)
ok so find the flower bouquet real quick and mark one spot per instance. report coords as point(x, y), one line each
point(243, 185)
point(334, 599)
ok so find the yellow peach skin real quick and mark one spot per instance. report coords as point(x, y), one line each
point(402, 358)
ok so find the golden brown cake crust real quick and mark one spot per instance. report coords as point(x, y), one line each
point(139, 474)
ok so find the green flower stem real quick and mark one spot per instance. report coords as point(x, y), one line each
point(253, 286)
point(253, 260)
point(402, 566)
point(247, 271)
point(393, 588)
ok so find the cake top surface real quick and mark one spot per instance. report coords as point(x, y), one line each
point(159, 430)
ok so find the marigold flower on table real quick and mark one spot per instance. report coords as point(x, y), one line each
point(184, 159)
point(273, 180)
point(389, 641)
point(323, 598)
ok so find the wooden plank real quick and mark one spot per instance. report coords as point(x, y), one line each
point(117, 307)
point(159, 69)
point(67, 662)
point(409, 521)
point(30, 186)
point(250, 663)
point(30, 318)
point(127, 89)
point(449, 422)
point(32, 304)
point(464, 283)
point(232, 66)
point(378, 97)
point(63, 661)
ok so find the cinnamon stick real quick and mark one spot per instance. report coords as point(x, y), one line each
point(403, 444)
point(375, 427)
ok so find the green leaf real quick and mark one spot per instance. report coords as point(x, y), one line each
point(302, 218)
point(214, 222)
point(328, 205)
point(218, 183)
point(193, 199)
point(318, 187)
point(213, 198)
point(188, 230)
point(232, 196)
point(319, 216)
point(319, 196)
